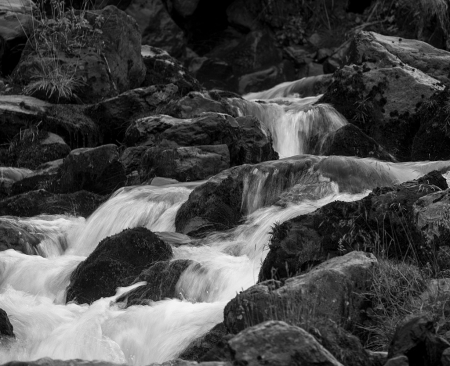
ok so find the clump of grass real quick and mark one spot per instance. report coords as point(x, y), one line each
point(401, 290)
point(58, 35)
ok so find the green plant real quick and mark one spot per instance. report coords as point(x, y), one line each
point(57, 35)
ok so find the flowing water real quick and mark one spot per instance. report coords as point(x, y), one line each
point(32, 287)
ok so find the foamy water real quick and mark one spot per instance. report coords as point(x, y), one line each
point(32, 288)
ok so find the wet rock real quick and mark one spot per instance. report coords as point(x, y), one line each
point(118, 70)
point(332, 290)
point(244, 138)
point(156, 26)
point(373, 99)
point(114, 115)
point(205, 348)
point(81, 203)
point(161, 280)
point(185, 163)
point(15, 236)
point(131, 158)
point(386, 51)
point(6, 328)
point(416, 339)
point(349, 140)
point(339, 227)
point(44, 177)
point(35, 147)
point(97, 170)
point(213, 73)
point(116, 262)
point(164, 69)
point(276, 343)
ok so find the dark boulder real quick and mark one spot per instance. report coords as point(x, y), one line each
point(34, 147)
point(116, 262)
point(386, 51)
point(161, 279)
point(44, 177)
point(331, 291)
point(110, 65)
point(6, 328)
point(340, 227)
point(416, 339)
point(275, 343)
point(185, 163)
point(374, 100)
point(33, 203)
point(156, 26)
point(349, 140)
point(97, 170)
point(207, 348)
point(164, 69)
point(114, 115)
point(244, 137)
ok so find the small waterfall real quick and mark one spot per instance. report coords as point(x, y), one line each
point(150, 206)
point(296, 126)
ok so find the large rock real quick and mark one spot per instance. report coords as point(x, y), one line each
point(276, 343)
point(185, 163)
point(114, 115)
point(244, 137)
point(332, 290)
point(416, 339)
point(226, 198)
point(9, 176)
point(116, 262)
point(44, 177)
point(164, 69)
point(349, 140)
point(96, 170)
point(374, 99)
point(367, 224)
point(110, 65)
point(385, 51)
point(156, 26)
point(34, 147)
point(18, 112)
point(81, 203)
point(161, 280)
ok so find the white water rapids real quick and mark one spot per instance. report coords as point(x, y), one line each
point(32, 288)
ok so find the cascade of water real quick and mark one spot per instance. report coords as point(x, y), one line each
point(149, 206)
point(296, 126)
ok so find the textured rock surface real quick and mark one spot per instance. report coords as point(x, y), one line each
point(330, 291)
point(116, 262)
point(96, 170)
point(123, 69)
point(81, 203)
